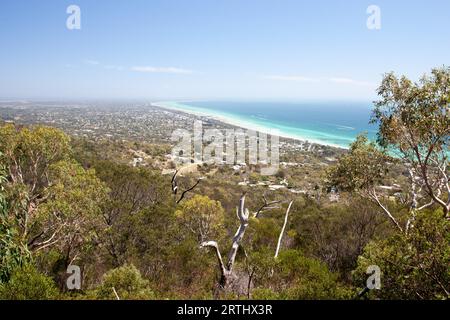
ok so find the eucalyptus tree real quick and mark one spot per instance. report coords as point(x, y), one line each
point(229, 279)
point(414, 122)
point(13, 253)
point(413, 131)
point(413, 134)
point(53, 202)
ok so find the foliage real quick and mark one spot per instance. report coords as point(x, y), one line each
point(53, 201)
point(295, 277)
point(337, 234)
point(28, 153)
point(414, 115)
point(362, 168)
point(12, 252)
point(128, 284)
point(414, 122)
point(26, 283)
point(63, 201)
point(201, 216)
point(70, 218)
point(413, 266)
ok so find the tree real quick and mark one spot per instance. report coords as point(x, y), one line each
point(132, 191)
point(414, 265)
point(71, 216)
point(124, 283)
point(228, 277)
point(414, 122)
point(362, 171)
point(201, 216)
point(175, 188)
point(13, 253)
point(337, 234)
point(297, 277)
point(28, 153)
point(414, 127)
point(52, 200)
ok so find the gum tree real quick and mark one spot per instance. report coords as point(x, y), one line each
point(13, 253)
point(202, 216)
point(52, 200)
point(228, 276)
point(413, 130)
point(362, 171)
point(414, 122)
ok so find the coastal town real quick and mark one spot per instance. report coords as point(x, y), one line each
point(153, 126)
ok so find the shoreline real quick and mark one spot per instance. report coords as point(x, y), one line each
point(168, 105)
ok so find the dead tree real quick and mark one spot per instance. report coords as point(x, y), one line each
point(280, 238)
point(174, 184)
point(227, 274)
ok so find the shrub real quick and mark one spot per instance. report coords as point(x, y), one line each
point(127, 282)
point(26, 283)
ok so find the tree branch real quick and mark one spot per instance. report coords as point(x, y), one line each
point(280, 238)
point(213, 244)
point(188, 190)
point(385, 210)
point(266, 206)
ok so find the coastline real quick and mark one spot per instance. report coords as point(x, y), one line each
point(229, 120)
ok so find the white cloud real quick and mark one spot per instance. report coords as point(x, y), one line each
point(92, 62)
point(291, 78)
point(112, 67)
point(149, 69)
point(145, 69)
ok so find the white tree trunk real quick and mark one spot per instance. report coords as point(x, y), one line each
point(227, 276)
point(280, 238)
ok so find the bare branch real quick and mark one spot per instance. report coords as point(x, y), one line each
point(280, 238)
point(243, 215)
point(213, 244)
point(374, 197)
point(266, 206)
point(174, 183)
point(115, 293)
point(188, 190)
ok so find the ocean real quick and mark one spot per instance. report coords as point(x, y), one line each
point(329, 123)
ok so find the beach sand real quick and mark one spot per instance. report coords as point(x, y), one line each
point(233, 121)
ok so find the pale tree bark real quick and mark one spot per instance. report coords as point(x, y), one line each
point(431, 170)
point(374, 197)
point(414, 205)
point(280, 238)
point(115, 293)
point(227, 275)
point(226, 269)
point(420, 189)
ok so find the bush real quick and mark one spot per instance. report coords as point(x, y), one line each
point(202, 216)
point(127, 282)
point(12, 252)
point(413, 266)
point(26, 283)
point(308, 278)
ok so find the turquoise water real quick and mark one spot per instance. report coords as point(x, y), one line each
point(329, 123)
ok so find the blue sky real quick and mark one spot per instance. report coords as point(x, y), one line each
point(222, 49)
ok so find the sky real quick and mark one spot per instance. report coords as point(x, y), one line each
point(216, 50)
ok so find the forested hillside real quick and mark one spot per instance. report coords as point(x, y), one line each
point(140, 232)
